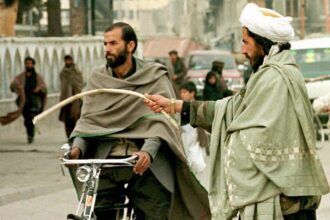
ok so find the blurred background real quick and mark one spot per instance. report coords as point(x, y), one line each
point(201, 31)
point(48, 29)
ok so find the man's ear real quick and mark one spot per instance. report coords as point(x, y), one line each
point(130, 46)
point(261, 50)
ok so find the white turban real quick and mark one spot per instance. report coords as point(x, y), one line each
point(267, 23)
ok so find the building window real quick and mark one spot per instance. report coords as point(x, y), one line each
point(292, 8)
point(115, 14)
point(131, 14)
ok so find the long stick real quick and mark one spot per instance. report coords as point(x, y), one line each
point(320, 78)
point(93, 92)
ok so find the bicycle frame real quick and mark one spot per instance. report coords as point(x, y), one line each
point(89, 175)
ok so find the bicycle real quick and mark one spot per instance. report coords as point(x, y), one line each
point(88, 173)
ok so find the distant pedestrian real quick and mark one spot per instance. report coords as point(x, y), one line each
point(195, 140)
point(71, 84)
point(31, 93)
point(212, 90)
point(217, 66)
point(177, 70)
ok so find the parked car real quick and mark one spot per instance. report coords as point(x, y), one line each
point(313, 58)
point(199, 62)
point(156, 49)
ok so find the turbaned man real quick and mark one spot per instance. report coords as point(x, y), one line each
point(263, 162)
point(160, 186)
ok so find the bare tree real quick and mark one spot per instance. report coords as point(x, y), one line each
point(54, 18)
point(8, 16)
point(77, 17)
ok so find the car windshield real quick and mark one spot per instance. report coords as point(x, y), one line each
point(313, 62)
point(199, 62)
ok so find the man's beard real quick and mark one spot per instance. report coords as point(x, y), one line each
point(258, 61)
point(115, 61)
point(29, 69)
point(68, 65)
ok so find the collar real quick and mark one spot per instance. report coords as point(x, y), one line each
point(129, 73)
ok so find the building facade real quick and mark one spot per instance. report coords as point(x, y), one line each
point(314, 13)
point(225, 29)
point(147, 17)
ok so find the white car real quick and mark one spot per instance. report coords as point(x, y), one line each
point(313, 59)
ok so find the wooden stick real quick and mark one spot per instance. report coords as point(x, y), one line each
point(320, 78)
point(93, 92)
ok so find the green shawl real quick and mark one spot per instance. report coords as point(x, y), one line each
point(263, 145)
point(124, 116)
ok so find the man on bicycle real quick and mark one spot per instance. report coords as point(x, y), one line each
point(116, 125)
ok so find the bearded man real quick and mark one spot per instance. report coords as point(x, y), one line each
point(31, 99)
point(71, 84)
point(178, 70)
point(160, 186)
point(263, 162)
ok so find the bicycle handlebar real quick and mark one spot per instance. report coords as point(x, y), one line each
point(125, 161)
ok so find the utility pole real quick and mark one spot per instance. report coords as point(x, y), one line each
point(292, 9)
point(326, 14)
point(91, 17)
point(269, 4)
point(111, 12)
point(302, 19)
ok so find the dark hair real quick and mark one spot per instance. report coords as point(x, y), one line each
point(209, 75)
point(217, 66)
point(68, 57)
point(266, 44)
point(128, 33)
point(190, 87)
point(173, 52)
point(31, 59)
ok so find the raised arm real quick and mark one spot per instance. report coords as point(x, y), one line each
point(197, 113)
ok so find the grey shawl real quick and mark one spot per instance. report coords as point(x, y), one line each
point(124, 116)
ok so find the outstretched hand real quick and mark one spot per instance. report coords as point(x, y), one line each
point(157, 103)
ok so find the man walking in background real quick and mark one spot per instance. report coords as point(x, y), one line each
point(195, 140)
point(31, 97)
point(71, 84)
point(177, 70)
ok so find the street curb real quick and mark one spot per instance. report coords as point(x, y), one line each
point(32, 150)
point(32, 193)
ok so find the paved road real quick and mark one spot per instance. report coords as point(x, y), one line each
point(33, 188)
